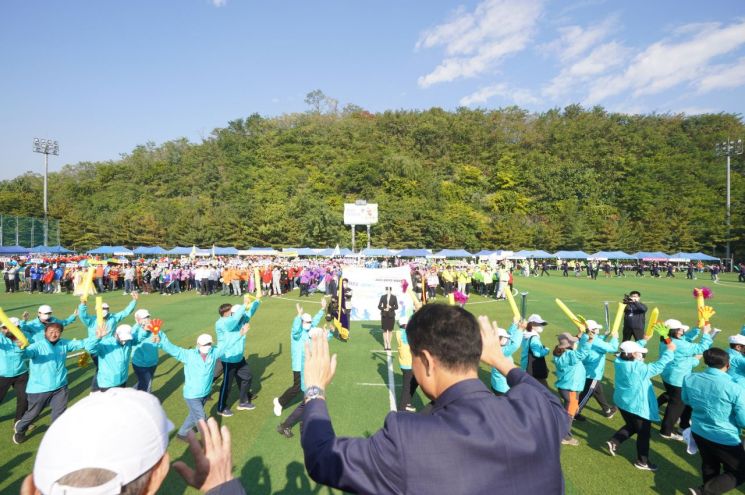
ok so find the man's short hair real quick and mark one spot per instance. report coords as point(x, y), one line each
point(225, 308)
point(449, 333)
point(715, 357)
point(635, 293)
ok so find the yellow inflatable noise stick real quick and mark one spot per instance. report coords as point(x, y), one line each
point(653, 317)
point(99, 311)
point(87, 283)
point(451, 299)
point(568, 312)
point(513, 305)
point(257, 282)
point(619, 318)
point(13, 329)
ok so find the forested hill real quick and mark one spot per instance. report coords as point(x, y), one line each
point(507, 178)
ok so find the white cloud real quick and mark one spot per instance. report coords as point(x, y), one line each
point(576, 40)
point(218, 3)
point(476, 41)
point(519, 96)
point(694, 110)
point(668, 63)
point(723, 76)
point(599, 61)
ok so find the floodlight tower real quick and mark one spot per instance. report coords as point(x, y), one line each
point(729, 148)
point(47, 147)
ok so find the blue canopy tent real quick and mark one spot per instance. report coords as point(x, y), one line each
point(651, 256)
point(374, 252)
point(225, 251)
point(695, 256)
point(179, 251)
point(484, 253)
point(570, 255)
point(414, 253)
point(522, 254)
point(157, 250)
point(611, 255)
point(49, 250)
point(538, 253)
point(140, 250)
point(13, 250)
point(102, 250)
point(121, 251)
point(452, 253)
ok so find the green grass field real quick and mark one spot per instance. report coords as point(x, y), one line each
point(358, 398)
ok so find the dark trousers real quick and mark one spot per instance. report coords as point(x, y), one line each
point(636, 333)
point(714, 457)
point(598, 394)
point(19, 385)
point(408, 387)
point(291, 391)
point(676, 408)
point(294, 417)
point(242, 375)
point(635, 425)
point(56, 399)
point(94, 382)
point(144, 377)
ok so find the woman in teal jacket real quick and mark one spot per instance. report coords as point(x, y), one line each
point(510, 342)
point(594, 364)
point(570, 373)
point(634, 396)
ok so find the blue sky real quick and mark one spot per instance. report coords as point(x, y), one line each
point(102, 77)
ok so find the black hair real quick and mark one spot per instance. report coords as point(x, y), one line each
point(715, 357)
point(55, 325)
point(225, 308)
point(635, 293)
point(627, 356)
point(449, 333)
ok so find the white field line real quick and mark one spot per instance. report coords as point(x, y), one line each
point(391, 384)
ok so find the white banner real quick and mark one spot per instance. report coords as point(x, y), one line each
point(368, 284)
point(355, 214)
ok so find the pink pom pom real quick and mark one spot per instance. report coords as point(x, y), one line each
point(707, 292)
point(404, 286)
point(459, 297)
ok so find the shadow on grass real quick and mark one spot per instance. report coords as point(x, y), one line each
point(256, 475)
point(15, 487)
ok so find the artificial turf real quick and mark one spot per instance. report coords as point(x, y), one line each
point(358, 397)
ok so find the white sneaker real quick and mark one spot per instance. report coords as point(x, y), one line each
point(277, 407)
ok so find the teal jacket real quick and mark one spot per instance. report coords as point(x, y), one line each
point(11, 362)
point(634, 392)
point(570, 374)
point(736, 366)
point(718, 405)
point(297, 344)
point(112, 319)
point(533, 342)
point(35, 328)
point(684, 360)
point(145, 353)
point(498, 381)
point(198, 370)
point(47, 362)
point(227, 324)
point(113, 359)
point(594, 362)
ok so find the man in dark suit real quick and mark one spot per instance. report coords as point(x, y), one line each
point(470, 442)
point(388, 306)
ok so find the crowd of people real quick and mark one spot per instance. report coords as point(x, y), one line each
point(439, 347)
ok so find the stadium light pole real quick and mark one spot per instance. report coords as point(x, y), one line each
point(47, 147)
point(729, 148)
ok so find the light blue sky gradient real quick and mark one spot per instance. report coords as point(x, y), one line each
point(102, 77)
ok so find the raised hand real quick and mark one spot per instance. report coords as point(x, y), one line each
point(213, 459)
point(319, 367)
point(299, 309)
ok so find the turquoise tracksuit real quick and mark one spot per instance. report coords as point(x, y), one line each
point(47, 363)
point(198, 369)
point(11, 362)
point(297, 345)
point(634, 392)
point(536, 347)
point(145, 354)
point(35, 328)
point(684, 360)
point(570, 374)
point(111, 320)
point(498, 381)
point(113, 359)
point(227, 324)
point(736, 366)
point(718, 405)
point(594, 362)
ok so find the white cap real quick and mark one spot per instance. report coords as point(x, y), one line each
point(737, 339)
point(124, 332)
point(501, 332)
point(15, 321)
point(306, 317)
point(105, 305)
point(675, 324)
point(141, 314)
point(234, 309)
point(593, 325)
point(536, 318)
point(121, 430)
point(630, 347)
point(45, 308)
point(204, 339)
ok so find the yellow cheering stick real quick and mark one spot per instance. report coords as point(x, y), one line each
point(257, 282)
point(87, 283)
point(513, 306)
point(619, 318)
point(654, 316)
point(13, 329)
point(99, 311)
point(574, 318)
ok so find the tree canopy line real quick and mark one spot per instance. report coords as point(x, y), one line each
point(571, 178)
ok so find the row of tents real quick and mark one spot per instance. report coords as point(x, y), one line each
point(370, 253)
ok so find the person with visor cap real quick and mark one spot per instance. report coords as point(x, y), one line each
point(634, 396)
point(114, 353)
point(35, 328)
point(594, 364)
point(736, 353)
point(199, 367)
point(533, 354)
point(570, 373)
point(510, 341)
point(82, 454)
point(13, 368)
point(145, 354)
